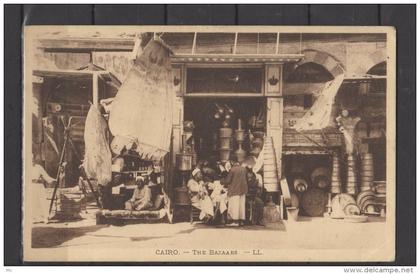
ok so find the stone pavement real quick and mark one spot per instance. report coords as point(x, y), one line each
point(307, 233)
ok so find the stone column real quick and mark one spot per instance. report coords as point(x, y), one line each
point(347, 127)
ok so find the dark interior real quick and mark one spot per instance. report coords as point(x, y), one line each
point(201, 112)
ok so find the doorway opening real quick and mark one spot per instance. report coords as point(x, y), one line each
point(209, 114)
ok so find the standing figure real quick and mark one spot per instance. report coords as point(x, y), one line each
point(199, 196)
point(237, 189)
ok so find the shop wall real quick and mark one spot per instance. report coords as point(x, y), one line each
point(68, 60)
point(365, 50)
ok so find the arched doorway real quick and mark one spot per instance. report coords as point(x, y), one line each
point(310, 72)
point(307, 78)
point(378, 69)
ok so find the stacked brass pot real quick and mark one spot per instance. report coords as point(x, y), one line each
point(240, 153)
point(366, 172)
point(335, 175)
point(351, 187)
point(225, 143)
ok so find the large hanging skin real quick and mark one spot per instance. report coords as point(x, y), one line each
point(142, 109)
point(318, 117)
point(98, 158)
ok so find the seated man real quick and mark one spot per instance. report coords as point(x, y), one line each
point(199, 196)
point(254, 192)
point(142, 196)
point(219, 199)
point(254, 196)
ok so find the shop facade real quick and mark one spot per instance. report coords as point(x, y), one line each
point(270, 81)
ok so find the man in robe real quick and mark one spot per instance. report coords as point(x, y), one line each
point(142, 196)
point(199, 196)
point(236, 180)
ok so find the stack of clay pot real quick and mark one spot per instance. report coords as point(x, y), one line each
point(351, 187)
point(380, 196)
point(225, 143)
point(343, 204)
point(366, 172)
point(335, 175)
point(366, 198)
point(271, 180)
point(366, 201)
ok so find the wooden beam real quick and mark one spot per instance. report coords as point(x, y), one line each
point(95, 92)
point(114, 44)
point(224, 94)
point(235, 58)
point(194, 43)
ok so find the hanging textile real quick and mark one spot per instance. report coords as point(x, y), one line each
point(98, 157)
point(318, 117)
point(142, 109)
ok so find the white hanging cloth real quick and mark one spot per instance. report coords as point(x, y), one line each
point(141, 112)
point(318, 117)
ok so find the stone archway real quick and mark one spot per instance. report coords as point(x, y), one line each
point(370, 61)
point(330, 63)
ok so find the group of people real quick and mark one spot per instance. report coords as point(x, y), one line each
point(222, 193)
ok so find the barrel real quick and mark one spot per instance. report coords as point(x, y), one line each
point(184, 161)
point(225, 143)
point(181, 196)
point(335, 176)
point(225, 132)
point(351, 187)
point(366, 172)
point(71, 204)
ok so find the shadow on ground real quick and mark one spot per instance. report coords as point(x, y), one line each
point(47, 237)
point(278, 226)
point(139, 239)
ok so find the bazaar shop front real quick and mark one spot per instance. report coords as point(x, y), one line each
point(249, 99)
point(229, 108)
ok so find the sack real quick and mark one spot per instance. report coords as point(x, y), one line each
point(98, 157)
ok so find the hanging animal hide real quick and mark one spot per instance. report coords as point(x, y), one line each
point(142, 109)
point(98, 157)
point(319, 116)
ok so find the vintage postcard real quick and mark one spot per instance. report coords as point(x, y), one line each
point(209, 144)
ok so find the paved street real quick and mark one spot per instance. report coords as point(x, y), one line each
point(307, 234)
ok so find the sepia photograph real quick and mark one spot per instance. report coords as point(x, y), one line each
point(209, 144)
